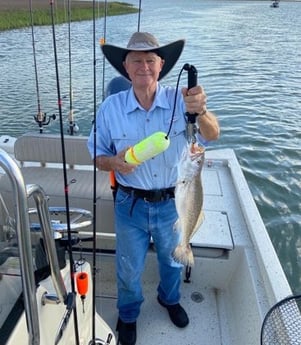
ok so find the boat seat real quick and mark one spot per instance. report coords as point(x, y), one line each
point(117, 84)
point(40, 157)
point(46, 148)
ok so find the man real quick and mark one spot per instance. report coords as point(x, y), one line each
point(145, 205)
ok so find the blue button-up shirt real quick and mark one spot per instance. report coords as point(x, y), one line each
point(121, 122)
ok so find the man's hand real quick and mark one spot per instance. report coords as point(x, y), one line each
point(121, 165)
point(195, 100)
point(115, 163)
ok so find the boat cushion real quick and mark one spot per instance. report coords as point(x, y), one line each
point(47, 148)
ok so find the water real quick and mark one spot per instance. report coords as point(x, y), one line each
point(248, 57)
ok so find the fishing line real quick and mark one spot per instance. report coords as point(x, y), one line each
point(66, 188)
point(175, 100)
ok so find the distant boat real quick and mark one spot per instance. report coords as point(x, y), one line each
point(275, 3)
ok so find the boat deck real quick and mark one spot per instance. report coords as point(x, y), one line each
point(154, 326)
point(214, 310)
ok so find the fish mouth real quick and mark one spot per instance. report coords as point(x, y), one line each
point(196, 152)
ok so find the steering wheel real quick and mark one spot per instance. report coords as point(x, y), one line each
point(79, 218)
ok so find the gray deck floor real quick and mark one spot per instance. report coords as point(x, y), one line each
point(154, 326)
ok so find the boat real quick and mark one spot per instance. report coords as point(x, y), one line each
point(275, 4)
point(51, 211)
point(236, 279)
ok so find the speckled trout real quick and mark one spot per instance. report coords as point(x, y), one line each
point(189, 200)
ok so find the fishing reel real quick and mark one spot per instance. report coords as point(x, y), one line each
point(73, 127)
point(42, 120)
point(191, 128)
point(98, 341)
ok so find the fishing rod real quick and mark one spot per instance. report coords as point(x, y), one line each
point(41, 117)
point(70, 117)
point(73, 127)
point(94, 270)
point(103, 41)
point(139, 15)
point(94, 340)
point(66, 187)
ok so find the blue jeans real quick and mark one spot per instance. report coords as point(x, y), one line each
point(133, 232)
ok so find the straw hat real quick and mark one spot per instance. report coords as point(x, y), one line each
point(146, 42)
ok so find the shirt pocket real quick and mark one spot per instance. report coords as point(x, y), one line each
point(124, 138)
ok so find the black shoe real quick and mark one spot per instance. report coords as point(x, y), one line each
point(176, 313)
point(126, 332)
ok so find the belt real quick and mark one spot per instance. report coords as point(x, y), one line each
point(153, 195)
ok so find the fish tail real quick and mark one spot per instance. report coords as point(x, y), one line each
point(183, 254)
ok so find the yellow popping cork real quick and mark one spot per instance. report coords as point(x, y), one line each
point(147, 148)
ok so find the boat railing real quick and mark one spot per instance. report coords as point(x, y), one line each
point(24, 245)
point(20, 194)
point(47, 234)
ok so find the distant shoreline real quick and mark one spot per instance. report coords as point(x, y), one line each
point(8, 5)
point(14, 14)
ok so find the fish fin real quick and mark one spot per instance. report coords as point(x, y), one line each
point(183, 254)
point(200, 220)
point(198, 224)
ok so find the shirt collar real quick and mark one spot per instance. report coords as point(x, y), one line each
point(160, 100)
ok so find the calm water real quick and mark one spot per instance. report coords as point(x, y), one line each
point(248, 57)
